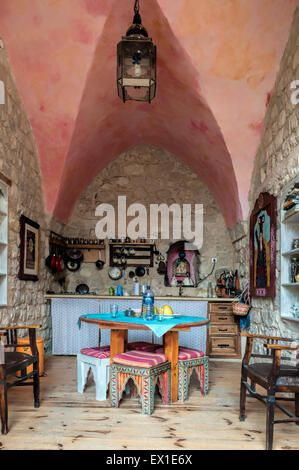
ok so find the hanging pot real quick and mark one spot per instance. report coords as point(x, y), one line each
point(82, 289)
point(115, 273)
point(73, 265)
point(74, 254)
point(140, 271)
point(48, 261)
point(100, 264)
point(161, 268)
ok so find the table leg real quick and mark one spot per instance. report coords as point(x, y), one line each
point(117, 342)
point(171, 349)
point(117, 345)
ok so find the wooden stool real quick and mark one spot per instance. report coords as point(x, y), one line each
point(188, 361)
point(98, 360)
point(146, 370)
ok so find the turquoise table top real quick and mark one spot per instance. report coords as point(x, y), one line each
point(157, 326)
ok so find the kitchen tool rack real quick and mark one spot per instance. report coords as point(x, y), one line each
point(144, 258)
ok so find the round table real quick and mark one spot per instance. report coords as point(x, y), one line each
point(119, 339)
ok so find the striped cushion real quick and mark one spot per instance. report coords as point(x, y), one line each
point(100, 352)
point(140, 359)
point(142, 346)
point(185, 353)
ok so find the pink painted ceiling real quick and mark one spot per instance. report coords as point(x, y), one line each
point(217, 64)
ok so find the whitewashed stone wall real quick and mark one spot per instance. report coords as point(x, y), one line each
point(19, 162)
point(150, 175)
point(276, 165)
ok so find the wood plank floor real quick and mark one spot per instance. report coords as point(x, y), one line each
point(73, 421)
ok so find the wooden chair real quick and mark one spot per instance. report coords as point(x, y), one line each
point(273, 376)
point(17, 361)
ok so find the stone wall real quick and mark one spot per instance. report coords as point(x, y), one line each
point(276, 165)
point(19, 162)
point(150, 175)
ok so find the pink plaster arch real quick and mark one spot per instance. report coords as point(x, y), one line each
point(178, 120)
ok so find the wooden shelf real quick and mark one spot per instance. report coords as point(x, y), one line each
point(291, 216)
point(291, 252)
point(132, 244)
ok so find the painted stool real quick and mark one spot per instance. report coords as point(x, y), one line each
point(188, 361)
point(147, 370)
point(98, 360)
point(142, 346)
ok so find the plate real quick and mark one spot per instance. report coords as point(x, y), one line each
point(172, 316)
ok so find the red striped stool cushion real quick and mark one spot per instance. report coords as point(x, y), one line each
point(143, 346)
point(185, 353)
point(140, 359)
point(101, 352)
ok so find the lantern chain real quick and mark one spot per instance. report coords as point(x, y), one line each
point(136, 6)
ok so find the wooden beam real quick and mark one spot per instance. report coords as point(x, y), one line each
point(5, 179)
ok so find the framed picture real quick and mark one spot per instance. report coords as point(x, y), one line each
point(29, 241)
point(263, 246)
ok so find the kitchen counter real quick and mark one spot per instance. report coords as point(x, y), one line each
point(67, 338)
point(135, 297)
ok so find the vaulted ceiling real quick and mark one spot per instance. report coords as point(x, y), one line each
point(217, 64)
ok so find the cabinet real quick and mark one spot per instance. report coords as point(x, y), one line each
point(224, 338)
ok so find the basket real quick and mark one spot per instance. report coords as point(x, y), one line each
point(240, 309)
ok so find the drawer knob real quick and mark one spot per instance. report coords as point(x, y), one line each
point(223, 345)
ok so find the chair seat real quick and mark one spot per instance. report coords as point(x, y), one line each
point(143, 346)
point(289, 376)
point(186, 353)
point(140, 359)
point(15, 361)
point(101, 352)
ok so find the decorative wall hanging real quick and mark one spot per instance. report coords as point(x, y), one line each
point(263, 246)
point(29, 249)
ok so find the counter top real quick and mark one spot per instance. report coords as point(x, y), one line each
point(135, 297)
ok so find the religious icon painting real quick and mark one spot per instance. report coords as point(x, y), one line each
point(29, 255)
point(263, 246)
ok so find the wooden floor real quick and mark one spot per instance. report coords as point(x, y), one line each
point(70, 420)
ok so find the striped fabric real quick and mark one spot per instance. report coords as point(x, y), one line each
point(140, 359)
point(101, 352)
point(143, 346)
point(185, 353)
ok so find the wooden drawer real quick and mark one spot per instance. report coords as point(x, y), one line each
point(222, 318)
point(220, 308)
point(223, 345)
point(225, 329)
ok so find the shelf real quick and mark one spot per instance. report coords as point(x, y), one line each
point(291, 284)
point(132, 244)
point(82, 247)
point(291, 252)
point(286, 317)
point(292, 216)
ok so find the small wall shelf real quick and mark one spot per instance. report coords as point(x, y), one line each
point(145, 256)
point(3, 242)
point(289, 292)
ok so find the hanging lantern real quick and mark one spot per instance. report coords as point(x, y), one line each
point(136, 63)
